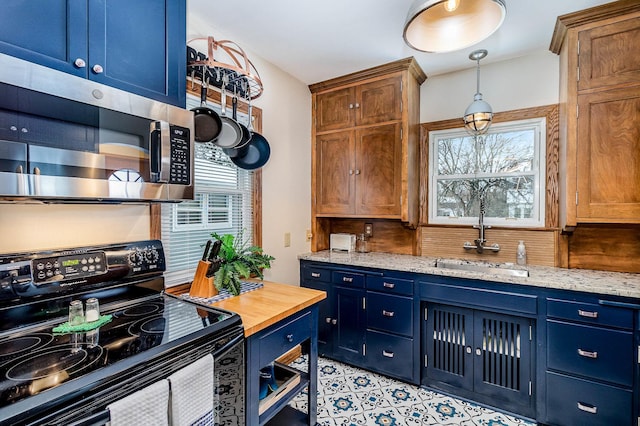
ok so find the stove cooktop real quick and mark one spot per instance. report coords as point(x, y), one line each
point(35, 360)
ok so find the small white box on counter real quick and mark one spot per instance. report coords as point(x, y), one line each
point(342, 242)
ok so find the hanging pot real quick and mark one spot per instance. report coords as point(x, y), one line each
point(231, 134)
point(207, 122)
point(246, 134)
point(256, 153)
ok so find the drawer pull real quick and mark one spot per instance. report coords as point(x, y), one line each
point(388, 285)
point(588, 408)
point(587, 354)
point(588, 314)
point(387, 354)
point(290, 338)
point(347, 279)
point(387, 313)
point(315, 274)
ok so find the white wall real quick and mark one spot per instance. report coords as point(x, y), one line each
point(522, 82)
point(286, 178)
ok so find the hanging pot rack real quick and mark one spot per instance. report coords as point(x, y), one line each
point(224, 61)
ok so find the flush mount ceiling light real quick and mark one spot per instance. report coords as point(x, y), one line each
point(448, 25)
point(478, 116)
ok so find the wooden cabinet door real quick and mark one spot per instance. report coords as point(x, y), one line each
point(608, 156)
point(52, 33)
point(379, 101)
point(335, 110)
point(335, 173)
point(610, 55)
point(378, 170)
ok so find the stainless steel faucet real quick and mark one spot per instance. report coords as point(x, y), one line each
point(480, 242)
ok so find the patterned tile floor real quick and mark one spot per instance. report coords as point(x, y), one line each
point(350, 396)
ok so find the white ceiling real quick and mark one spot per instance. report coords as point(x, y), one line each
point(315, 40)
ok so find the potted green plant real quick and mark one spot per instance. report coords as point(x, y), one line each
point(238, 259)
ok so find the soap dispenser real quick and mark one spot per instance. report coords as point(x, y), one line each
point(521, 254)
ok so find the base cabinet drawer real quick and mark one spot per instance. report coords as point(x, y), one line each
point(390, 354)
point(284, 337)
point(572, 401)
point(390, 313)
point(593, 352)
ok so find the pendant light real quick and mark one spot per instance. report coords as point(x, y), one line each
point(448, 25)
point(478, 116)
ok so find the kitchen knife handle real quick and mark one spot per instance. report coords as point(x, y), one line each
point(206, 250)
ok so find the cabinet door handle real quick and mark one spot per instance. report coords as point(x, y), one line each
point(347, 279)
point(588, 314)
point(357, 105)
point(388, 285)
point(334, 321)
point(350, 171)
point(350, 106)
point(357, 171)
point(588, 408)
point(315, 274)
point(387, 313)
point(97, 68)
point(79, 63)
point(290, 338)
point(587, 354)
point(327, 320)
point(387, 354)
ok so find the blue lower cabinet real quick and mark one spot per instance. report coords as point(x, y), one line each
point(390, 354)
point(488, 357)
point(367, 320)
point(575, 401)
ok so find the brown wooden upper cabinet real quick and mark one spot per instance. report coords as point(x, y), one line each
point(600, 114)
point(365, 144)
point(370, 103)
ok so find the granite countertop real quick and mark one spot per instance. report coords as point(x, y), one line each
point(590, 281)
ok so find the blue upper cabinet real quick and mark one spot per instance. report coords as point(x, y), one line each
point(138, 46)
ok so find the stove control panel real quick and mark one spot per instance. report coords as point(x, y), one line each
point(35, 274)
point(68, 267)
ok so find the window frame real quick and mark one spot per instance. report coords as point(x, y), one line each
point(213, 97)
point(552, 188)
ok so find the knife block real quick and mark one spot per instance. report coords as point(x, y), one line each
point(202, 286)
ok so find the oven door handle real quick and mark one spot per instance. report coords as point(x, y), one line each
point(97, 419)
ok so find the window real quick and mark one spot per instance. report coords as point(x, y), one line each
point(505, 167)
point(222, 203)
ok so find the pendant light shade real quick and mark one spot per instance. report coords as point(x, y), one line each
point(448, 25)
point(478, 115)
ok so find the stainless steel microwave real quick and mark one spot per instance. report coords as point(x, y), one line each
point(65, 138)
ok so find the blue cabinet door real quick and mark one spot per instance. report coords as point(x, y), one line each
point(137, 46)
point(326, 317)
point(349, 329)
point(52, 33)
point(140, 47)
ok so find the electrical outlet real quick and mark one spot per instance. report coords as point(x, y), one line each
point(368, 229)
point(309, 234)
point(287, 239)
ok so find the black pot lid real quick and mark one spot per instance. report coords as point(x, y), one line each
point(254, 155)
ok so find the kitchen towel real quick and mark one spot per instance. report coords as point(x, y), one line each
point(191, 398)
point(149, 406)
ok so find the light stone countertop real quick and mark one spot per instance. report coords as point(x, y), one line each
point(584, 280)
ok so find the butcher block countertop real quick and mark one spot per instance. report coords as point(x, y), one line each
point(267, 305)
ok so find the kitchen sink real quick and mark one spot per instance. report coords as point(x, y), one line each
point(484, 267)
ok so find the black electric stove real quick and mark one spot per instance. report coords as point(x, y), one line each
point(51, 378)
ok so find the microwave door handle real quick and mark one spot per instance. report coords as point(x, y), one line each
point(160, 155)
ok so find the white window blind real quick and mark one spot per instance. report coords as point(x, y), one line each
point(223, 204)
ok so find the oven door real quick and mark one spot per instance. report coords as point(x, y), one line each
point(229, 383)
